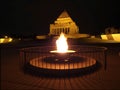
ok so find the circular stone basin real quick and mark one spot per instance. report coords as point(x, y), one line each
point(40, 61)
point(72, 62)
point(63, 60)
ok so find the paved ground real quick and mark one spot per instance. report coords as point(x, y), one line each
point(12, 77)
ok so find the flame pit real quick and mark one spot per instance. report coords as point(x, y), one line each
point(62, 53)
point(40, 61)
point(62, 61)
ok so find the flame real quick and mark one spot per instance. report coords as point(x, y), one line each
point(61, 43)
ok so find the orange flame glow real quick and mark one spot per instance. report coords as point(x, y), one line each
point(61, 43)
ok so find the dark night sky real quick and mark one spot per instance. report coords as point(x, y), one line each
point(34, 16)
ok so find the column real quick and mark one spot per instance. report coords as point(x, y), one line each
point(63, 30)
point(68, 30)
point(59, 31)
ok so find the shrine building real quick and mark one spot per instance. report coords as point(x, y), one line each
point(64, 24)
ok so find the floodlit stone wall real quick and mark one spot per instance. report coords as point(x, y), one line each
point(5, 40)
point(64, 24)
point(115, 37)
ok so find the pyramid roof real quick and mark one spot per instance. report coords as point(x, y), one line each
point(64, 14)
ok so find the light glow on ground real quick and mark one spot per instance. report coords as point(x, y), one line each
point(5, 40)
point(115, 37)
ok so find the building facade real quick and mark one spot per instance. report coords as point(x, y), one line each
point(64, 24)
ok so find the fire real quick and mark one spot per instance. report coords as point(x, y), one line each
point(61, 43)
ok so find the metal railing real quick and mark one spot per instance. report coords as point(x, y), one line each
point(35, 57)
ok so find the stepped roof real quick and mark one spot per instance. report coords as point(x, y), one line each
point(64, 14)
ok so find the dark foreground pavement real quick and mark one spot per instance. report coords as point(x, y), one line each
point(12, 77)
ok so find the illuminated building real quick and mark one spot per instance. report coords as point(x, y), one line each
point(64, 24)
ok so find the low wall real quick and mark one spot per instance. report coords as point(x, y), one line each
point(115, 37)
point(5, 40)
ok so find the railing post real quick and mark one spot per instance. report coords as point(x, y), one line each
point(105, 60)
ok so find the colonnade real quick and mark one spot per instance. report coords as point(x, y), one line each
point(57, 31)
